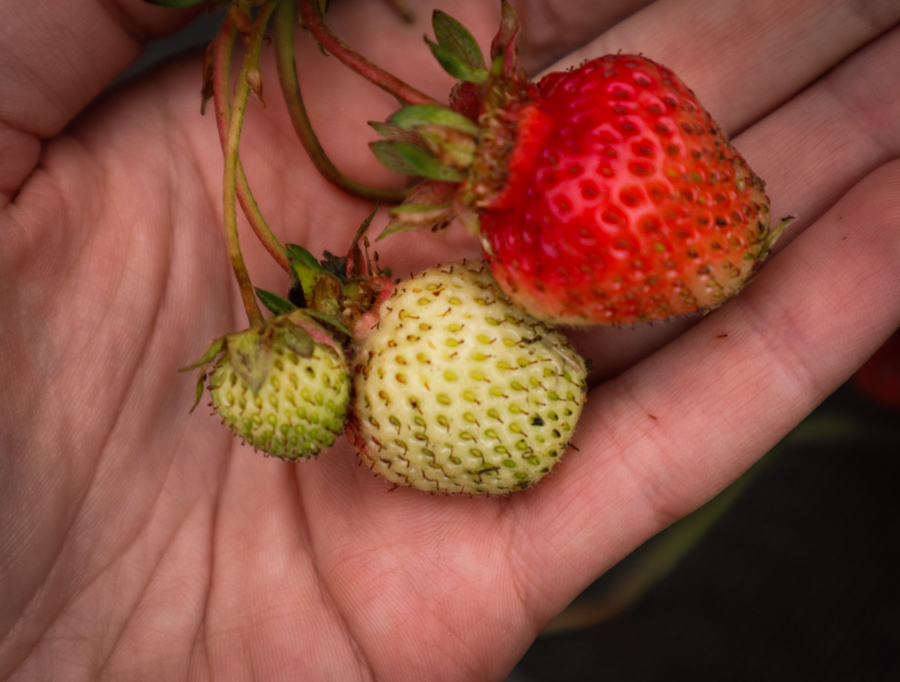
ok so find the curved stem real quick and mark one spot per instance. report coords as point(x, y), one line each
point(223, 50)
point(312, 19)
point(229, 182)
point(290, 87)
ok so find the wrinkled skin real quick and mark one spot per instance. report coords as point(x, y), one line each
point(140, 541)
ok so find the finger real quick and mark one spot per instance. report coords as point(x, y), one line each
point(553, 28)
point(825, 140)
point(54, 59)
point(674, 430)
point(743, 59)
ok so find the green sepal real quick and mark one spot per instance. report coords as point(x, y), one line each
point(773, 236)
point(413, 217)
point(389, 153)
point(456, 39)
point(430, 206)
point(302, 261)
point(456, 67)
point(363, 227)
point(452, 148)
point(330, 321)
point(413, 159)
point(210, 354)
point(418, 115)
point(275, 303)
point(361, 267)
point(319, 286)
point(297, 339)
point(250, 353)
point(395, 133)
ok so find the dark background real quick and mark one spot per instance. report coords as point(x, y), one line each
point(796, 581)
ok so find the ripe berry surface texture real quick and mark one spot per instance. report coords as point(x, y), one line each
point(457, 390)
point(621, 200)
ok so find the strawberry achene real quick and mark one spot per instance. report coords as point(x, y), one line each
point(623, 200)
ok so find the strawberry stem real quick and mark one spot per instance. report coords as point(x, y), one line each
point(232, 142)
point(285, 20)
point(223, 51)
point(313, 21)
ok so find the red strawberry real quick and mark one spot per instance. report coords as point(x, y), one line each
point(605, 194)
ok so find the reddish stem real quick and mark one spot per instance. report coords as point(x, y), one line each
point(285, 21)
point(223, 51)
point(372, 73)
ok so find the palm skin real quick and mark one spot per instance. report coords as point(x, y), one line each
point(140, 541)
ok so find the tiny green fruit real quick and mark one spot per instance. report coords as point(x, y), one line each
point(283, 388)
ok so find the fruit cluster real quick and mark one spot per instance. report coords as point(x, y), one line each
point(605, 194)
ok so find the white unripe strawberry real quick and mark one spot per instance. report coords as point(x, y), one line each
point(283, 388)
point(458, 390)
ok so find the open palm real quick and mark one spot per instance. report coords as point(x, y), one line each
point(140, 541)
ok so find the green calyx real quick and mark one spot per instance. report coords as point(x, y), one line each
point(459, 54)
point(251, 351)
point(325, 298)
point(336, 290)
point(457, 50)
point(441, 144)
point(427, 141)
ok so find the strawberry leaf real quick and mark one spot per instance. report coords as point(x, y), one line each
point(456, 40)
point(413, 159)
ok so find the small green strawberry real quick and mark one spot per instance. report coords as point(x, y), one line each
point(283, 388)
point(458, 390)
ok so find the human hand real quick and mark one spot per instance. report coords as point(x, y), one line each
point(140, 541)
